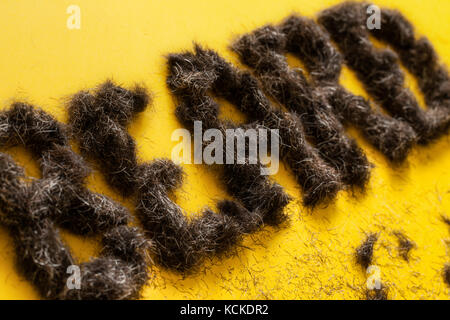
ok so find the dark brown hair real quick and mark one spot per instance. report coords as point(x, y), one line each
point(30, 208)
point(263, 50)
point(194, 75)
point(312, 45)
point(380, 73)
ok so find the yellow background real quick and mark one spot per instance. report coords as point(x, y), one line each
point(43, 62)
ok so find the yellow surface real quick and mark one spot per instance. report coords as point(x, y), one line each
point(42, 61)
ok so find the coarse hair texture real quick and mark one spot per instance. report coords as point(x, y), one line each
point(404, 245)
point(319, 181)
point(364, 253)
point(446, 219)
point(263, 50)
point(377, 294)
point(194, 75)
point(182, 243)
point(446, 274)
point(119, 272)
point(61, 192)
point(178, 243)
point(30, 208)
point(378, 69)
point(32, 128)
point(99, 119)
point(191, 78)
point(417, 55)
point(312, 45)
point(42, 257)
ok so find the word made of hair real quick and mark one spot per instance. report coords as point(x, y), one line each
point(99, 119)
point(310, 43)
point(263, 50)
point(178, 242)
point(192, 76)
point(32, 209)
point(379, 71)
point(417, 55)
point(182, 243)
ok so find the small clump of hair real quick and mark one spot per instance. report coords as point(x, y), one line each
point(446, 219)
point(377, 293)
point(99, 119)
point(446, 274)
point(404, 245)
point(364, 253)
